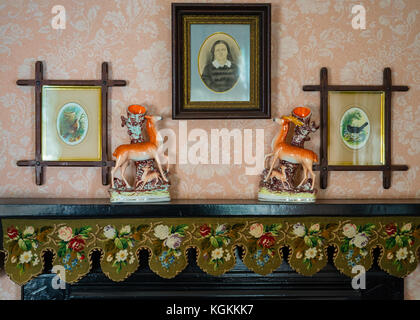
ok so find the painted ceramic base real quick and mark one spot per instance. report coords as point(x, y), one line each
point(284, 196)
point(139, 196)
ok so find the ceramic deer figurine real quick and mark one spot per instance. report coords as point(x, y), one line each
point(280, 175)
point(287, 152)
point(139, 151)
point(148, 176)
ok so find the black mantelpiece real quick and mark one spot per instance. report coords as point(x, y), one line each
point(102, 208)
point(283, 283)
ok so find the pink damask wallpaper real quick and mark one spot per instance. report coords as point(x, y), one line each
point(135, 37)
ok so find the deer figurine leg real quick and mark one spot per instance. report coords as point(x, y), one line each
point(117, 165)
point(312, 175)
point(167, 163)
point(284, 182)
point(156, 181)
point(143, 179)
point(123, 167)
point(313, 180)
point(272, 166)
point(284, 177)
point(142, 184)
point(308, 164)
point(272, 177)
point(305, 175)
point(307, 168)
point(266, 156)
point(160, 168)
point(112, 178)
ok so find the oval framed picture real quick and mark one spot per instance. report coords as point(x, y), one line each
point(72, 123)
point(219, 62)
point(355, 128)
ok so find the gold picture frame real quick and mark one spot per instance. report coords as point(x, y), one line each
point(356, 128)
point(209, 86)
point(71, 123)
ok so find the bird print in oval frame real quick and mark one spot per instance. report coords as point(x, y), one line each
point(355, 128)
point(356, 123)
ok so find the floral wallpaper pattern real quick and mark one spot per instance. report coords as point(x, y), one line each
point(135, 37)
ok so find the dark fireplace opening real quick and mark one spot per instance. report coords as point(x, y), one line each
point(239, 283)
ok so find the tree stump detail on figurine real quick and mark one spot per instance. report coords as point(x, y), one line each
point(150, 182)
point(278, 181)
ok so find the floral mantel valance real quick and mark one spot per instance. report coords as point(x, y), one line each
point(167, 240)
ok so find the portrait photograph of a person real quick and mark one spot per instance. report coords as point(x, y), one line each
point(221, 73)
point(220, 63)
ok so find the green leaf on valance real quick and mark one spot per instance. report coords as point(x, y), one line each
point(167, 239)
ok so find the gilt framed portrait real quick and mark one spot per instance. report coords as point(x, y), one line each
point(71, 123)
point(221, 61)
point(356, 128)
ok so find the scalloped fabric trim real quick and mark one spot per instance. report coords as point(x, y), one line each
point(215, 239)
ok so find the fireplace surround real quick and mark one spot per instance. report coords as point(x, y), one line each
point(286, 277)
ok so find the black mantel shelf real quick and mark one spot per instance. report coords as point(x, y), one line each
point(240, 282)
point(101, 208)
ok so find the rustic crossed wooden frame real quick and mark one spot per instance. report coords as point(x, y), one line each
point(324, 87)
point(38, 83)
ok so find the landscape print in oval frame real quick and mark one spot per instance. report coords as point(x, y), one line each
point(71, 123)
point(356, 128)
